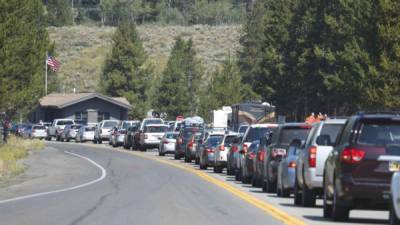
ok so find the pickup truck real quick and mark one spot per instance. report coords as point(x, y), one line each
point(57, 127)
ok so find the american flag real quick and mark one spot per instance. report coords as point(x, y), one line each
point(53, 63)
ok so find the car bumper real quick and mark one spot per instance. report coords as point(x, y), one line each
point(364, 195)
point(312, 180)
point(35, 135)
point(120, 139)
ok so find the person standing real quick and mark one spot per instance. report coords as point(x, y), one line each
point(6, 128)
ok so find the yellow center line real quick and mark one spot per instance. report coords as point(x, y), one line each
point(268, 208)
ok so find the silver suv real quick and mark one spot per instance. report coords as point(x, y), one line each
point(310, 163)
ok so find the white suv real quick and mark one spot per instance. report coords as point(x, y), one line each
point(221, 152)
point(311, 161)
point(152, 135)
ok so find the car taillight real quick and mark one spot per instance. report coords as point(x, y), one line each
point(221, 147)
point(252, 155)
point(191, 142)
point(312, 158)
point(244, 148)
point(352, 155)
point(166, 142)
point(234, 148)
point(261, 155)
point(210, 150)
point(292, 164)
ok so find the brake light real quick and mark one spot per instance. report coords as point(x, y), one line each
point(221, 147)
point(352, 155)
point(312, 158)
point(166, 142)
point(209, 150)
point(292, 164)
point(261, 155)
point(252, 155)
point(234, 148)
point(191, 142)
point(244, 148)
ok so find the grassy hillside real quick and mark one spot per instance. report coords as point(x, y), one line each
point(82, 49)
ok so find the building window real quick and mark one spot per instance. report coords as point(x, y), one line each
point(103, 116)
point(81, 116)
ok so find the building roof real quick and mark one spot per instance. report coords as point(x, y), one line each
point(60, 100)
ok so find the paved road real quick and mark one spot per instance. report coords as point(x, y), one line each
point(135, 191)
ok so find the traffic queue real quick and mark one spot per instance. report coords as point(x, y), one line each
point(348, 162)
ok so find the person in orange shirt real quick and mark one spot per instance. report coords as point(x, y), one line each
point(311, 119)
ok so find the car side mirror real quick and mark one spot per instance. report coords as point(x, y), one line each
point(324, 140)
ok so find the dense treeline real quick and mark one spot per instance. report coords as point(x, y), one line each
point(23, 45)
point(179, 12)
point(335, 56)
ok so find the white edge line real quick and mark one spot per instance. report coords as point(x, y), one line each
point(103, 175)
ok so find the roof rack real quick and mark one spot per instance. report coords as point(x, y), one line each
point(397, 113)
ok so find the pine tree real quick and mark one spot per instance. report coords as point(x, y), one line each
point(24, 42)
point(127, 70)
point(59, 13)
point(180, 81)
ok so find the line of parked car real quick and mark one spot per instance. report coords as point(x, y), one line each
point(347, 162)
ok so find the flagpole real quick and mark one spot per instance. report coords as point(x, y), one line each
point(45, 82)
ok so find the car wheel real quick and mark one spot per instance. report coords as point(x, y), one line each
point(176, 156)
point(254, 181)
point(203, 166)
point(297, 194)
point(278, 189)
point(327, 208)
point(393, 220)
point(161, 153)
point(309, 197)
point(264, 186)
point(237, 175)
point(339, 212)
point(197, 161)
point(187, 159)
point(100, 141)
point(271, 187)
point(126, 147)
point(218, 169)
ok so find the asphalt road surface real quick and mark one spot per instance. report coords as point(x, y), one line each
point(64, 189)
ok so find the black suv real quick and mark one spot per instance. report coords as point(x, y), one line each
point(185, 138)
point(354, 175)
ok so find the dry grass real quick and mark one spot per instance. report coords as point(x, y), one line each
point(14, 150)
point(82, 49)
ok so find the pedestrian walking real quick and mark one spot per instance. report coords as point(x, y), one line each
point(6, 128)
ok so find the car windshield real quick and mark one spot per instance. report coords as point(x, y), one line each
point(90, 128)
point(65, 122)
point(332, 130)
point(256, 133)
point(156, 129)
point(108, 124)
point(214, 140)
point(379, 133)
point(229, 140)
point(290, 133)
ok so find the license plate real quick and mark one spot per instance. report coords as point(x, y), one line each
point(394, 166)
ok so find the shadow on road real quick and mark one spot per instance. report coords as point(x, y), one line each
point(354, 220)
point(296, 206)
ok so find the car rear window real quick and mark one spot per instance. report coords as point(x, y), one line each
point(229, 140)
point(290, 133)
point(242, 129)
point(39, 127)
point(110, 124)
point(171, 136)
point(379, 133)
point(65, 122)
point(188, 133)
point(256, 133)
point(90, 128)
point(153, 121)
point(155, 129)
point(75, 126)
point(214, 140)
point(332, 130)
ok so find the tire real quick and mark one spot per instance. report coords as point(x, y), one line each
point(218, 169)
point(100, 141)
point(187, 159)
point(278, 189)
point(339, 212)
point(271, 187)
point(161, 153)
point(393, 220)
point(197, 161)
point(308, 197)
point(264, 186)
point(126, 147)
point(254, 181)
point(285, 192)
point(176, 156)
point(94, 141)
point(203, 167)
point(297, 196)
point(326, 207)
point(237, 175)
